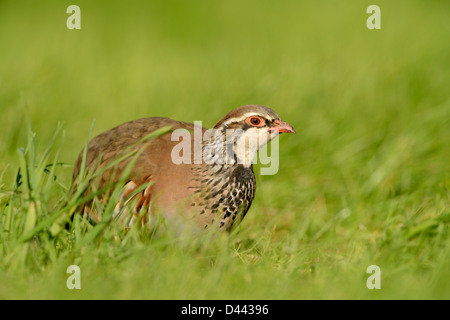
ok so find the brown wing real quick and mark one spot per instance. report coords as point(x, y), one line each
point(110, 145)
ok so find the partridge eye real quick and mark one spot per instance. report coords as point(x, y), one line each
point(255, 121)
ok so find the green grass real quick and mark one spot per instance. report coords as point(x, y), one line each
point(364, 181)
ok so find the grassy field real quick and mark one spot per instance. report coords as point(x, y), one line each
point(365, 181)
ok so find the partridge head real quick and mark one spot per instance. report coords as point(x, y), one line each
point(213, 184)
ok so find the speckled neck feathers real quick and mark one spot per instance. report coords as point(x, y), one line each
point(225, 189)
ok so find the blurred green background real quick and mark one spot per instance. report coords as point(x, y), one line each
point(364, 181)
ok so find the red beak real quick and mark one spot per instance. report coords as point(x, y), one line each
point(281, 126)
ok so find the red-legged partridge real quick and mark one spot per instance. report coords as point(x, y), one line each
point(215, 188)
